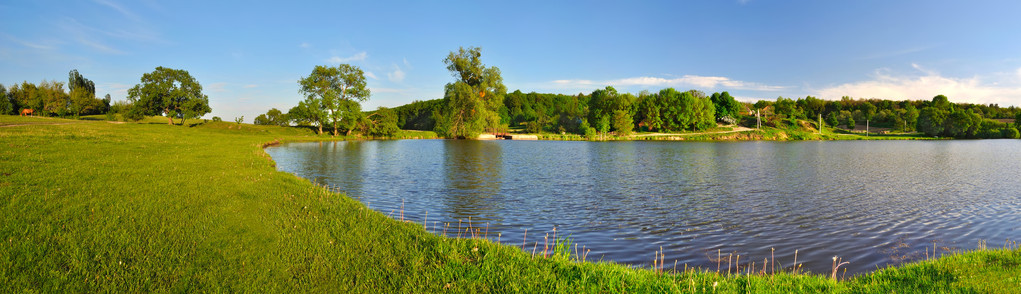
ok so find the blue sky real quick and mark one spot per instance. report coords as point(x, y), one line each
point(249, 55)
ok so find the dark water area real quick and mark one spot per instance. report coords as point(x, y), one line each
point(872, 203)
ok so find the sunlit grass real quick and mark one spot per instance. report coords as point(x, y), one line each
point(93, 206)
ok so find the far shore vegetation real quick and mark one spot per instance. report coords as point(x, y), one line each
point(91, 205)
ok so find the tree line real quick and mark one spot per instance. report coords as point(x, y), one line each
point(605, 111)
point(49, 98)
point(474, 100)
point(477, 102)
point(173, 93)
point(937, 117)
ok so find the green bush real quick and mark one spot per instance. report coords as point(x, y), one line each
point(1011, 133)
point(133, 114)
point(991, 134)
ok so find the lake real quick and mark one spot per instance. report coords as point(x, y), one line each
point(872, 203)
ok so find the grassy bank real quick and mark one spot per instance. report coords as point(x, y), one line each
point(94, 206)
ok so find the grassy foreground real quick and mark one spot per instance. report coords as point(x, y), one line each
point(92, 206)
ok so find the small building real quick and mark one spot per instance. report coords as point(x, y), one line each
point(487, 137)
point(522, 137)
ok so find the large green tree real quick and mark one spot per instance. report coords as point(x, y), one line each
point(83, 93)
point(307, 114)
point(672, 110)
point(333, 94)
point(699, 111)
point(55, 100)
point(910, 117)
point(383, 123)
point(868, 110)
point(472, 102)
point(6, 103)
point(618, 109)
point(931, 120)
point(170, 92)
point(601, 104)
point(649, 111)
point(962, 124)
point(726, 106)
point(25, 95)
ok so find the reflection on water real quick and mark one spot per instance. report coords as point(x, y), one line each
point(472, 178)
point(872, 203)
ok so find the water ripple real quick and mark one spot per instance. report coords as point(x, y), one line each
point(871, 203)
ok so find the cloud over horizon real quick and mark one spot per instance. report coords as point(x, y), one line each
point(885, 85)
point(397, 75)
point(706, 82)
point(360, 56)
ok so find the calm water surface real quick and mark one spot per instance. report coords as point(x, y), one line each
point(872, 203)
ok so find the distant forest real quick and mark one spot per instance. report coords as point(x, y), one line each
point(606, 110)
point(603, 111)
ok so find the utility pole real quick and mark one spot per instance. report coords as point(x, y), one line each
point(758, 120)
point(820, 123)
point(866, 128)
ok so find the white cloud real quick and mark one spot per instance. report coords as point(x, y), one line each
point(99, 46)
point(305, 45)
point(123, 11)
point(217, 87)
point(704, 82)
point(357, 57)
point(29, 44)
point(249, 86)
point(900, 52)
point(89, 36)
point(930, 83)
point(396, 76)
point(407, 64)
point(371, 75)
point(116, 90)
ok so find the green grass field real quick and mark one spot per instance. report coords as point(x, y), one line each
point(95, 206)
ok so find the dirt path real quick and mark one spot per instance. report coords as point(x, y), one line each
point(39, 124)
point(735, 130)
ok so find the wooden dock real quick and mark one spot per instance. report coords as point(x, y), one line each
point(520, 137)
point(508, 137)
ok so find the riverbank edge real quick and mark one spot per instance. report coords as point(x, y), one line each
point(439, 264)
point(910, 276)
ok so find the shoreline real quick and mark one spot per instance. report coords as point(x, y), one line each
point(203, 208)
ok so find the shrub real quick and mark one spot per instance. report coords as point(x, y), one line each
point(217, 119)
point(134, 114)
point(1011, 133)
point(991, 134)
point(533, 127)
